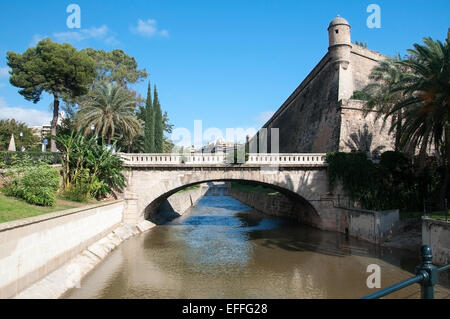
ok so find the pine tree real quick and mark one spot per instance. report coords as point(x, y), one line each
point(149, 129)
point(159, 126)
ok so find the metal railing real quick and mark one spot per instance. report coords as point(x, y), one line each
point(431, 207)
point(427, 275)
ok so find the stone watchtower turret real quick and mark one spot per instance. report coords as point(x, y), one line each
point(320, 115)
point(339, 49)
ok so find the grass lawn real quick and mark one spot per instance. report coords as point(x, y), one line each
point(189, 188)
point(13, 209)
point(435, 215)
point(253, 188)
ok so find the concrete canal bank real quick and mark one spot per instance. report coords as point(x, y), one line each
point(436, 234)
point(44, 256)
point(176, 205)
point(371, 226)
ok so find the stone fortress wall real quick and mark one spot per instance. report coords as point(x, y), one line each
point(320, 116)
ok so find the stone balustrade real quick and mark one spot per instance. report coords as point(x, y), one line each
point(166, 159)
point(287, 158)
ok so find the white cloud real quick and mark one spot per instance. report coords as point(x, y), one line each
point(31, 117)
point(4, 72)
point(100, 33)
point(263, 117)
point(148, 28)
point(111, 40)
point(36, 39)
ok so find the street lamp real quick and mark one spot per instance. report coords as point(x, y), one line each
point(21, 141)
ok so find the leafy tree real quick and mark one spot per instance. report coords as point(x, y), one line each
point(8, 127)
point(149, 124)
point(110, 109)
point(67, 123)
point(168, 127)
point(57, 69)
point(129, 144)
point(138, 144)
point(116, 67)
point(159, 128)
point(168, 145)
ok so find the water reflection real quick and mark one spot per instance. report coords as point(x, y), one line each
point(221, 249)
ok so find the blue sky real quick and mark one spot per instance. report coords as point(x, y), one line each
point(227, 63)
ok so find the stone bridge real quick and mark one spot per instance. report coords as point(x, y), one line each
point(152, 178)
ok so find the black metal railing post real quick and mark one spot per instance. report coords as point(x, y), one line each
point(424, 208)
point(429, 273)
point(446, 210)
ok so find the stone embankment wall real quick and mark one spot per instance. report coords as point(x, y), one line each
point(176, 205)
point(44, 256)
point(218, 189)
point(372, 226)
point(270, 204)
point(32, 248)
point(436, 234)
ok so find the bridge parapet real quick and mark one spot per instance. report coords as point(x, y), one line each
point(254, 159)
point(287, 158)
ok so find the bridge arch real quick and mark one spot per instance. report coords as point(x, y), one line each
point(148, 188)
point(305, 211)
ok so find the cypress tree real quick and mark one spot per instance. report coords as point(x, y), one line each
point(149, 126)
point(159, 127)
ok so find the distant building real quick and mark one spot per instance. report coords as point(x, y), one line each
point(219, 146)
point(42, 131)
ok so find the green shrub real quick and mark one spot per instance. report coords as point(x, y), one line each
point(105, 169)
point(36, 185)
point(12, 187)
point(84, 187)
point(394, 182)
point(10, 159)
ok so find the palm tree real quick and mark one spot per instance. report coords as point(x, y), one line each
point(426, 97)
point(382, 94)
point(109, 109)
point(422, 95)
point(426, 102)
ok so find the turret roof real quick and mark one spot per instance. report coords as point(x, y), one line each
point(337, 21)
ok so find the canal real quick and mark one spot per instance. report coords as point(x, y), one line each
point(220, 248)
